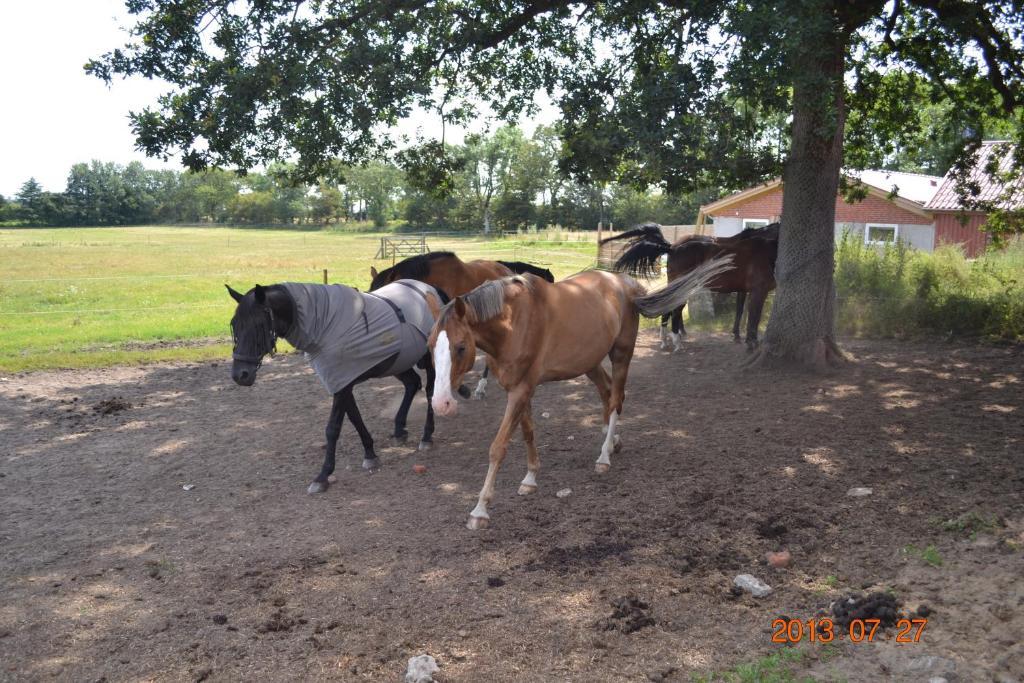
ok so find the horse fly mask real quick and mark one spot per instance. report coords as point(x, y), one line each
point(344, 332)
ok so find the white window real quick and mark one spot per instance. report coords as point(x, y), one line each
point(755, 222)
point(881, 233)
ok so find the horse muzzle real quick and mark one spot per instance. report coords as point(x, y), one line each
point(243, 374)
point(445, 406)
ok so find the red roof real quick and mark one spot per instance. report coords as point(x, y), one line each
point(989, 189)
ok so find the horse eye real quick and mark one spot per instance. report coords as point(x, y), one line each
point(460, 350)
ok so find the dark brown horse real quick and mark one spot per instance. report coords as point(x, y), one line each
point(445, 271)
point(754, 251)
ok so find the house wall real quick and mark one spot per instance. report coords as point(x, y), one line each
point(949, 230)
point(913, 228)
point(919, 236)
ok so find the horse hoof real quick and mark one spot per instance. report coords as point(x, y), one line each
point(371, 464)
point(526, 489)
point(601, 468)
point(479, 395)
point(426, 445)
point(400, 437)
point(476, 523)
point(317, 487)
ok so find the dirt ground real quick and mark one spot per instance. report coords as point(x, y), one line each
point(111, 570)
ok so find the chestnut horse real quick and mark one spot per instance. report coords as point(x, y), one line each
point(753, 250)
point(445, 271)
point(535, 332)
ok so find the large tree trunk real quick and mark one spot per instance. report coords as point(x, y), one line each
point(802, 326)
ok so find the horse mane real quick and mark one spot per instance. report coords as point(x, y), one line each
point(768, 232)
point(488, 299)
point(417, 267)
point(520, 267)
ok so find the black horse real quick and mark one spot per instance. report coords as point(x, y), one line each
point(264, 314)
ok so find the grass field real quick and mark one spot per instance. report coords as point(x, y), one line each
point(102, 296)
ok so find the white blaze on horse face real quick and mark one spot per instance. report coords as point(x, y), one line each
point(443, 402)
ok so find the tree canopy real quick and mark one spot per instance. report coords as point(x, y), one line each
point(682, 93)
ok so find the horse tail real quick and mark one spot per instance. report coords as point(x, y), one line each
point(520, 267)
point(646, 231)
point(674, 294)
point(642, 257)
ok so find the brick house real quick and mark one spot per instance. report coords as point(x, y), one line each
point(955, 225)
point(878, 218)
point(920, 210)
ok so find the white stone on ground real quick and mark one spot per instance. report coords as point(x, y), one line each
point(752, 585)
point(421, 669)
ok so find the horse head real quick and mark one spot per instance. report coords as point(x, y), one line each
point(253, 332)
point(453, 348)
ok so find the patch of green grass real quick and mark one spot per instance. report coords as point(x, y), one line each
point(832, 581)
point(971, 523)
point(898, 291)
point(774, 668)
point(929, 555)
point(89, 297)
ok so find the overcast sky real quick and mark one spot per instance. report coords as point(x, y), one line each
point(53, 115)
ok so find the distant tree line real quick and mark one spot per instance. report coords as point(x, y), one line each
point(502, 181)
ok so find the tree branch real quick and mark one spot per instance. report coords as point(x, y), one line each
point(974, 22)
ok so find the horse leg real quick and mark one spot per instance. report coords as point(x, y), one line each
point(529, 484)
point(603, 383)
point(332, 433)
point(664, 331)
point(412, 382)
point(427, 442)
point(481, 386)
point(370, 460)
point(621, 355)
point(518, 400)
point(757, 299)
point(678, 331)
point(741, 298)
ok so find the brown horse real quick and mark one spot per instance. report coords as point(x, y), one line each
point(536, 332)
point(445, 271)
point(754, 251)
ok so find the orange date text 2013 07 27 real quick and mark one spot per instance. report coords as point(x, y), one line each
point(859, 630)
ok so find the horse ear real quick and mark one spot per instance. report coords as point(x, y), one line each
point(234, 295)
point(261, 294)
point(373, 272)
point(460, 307)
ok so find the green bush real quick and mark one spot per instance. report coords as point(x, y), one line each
point(896, 291)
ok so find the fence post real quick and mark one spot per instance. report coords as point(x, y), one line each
point(325, 276)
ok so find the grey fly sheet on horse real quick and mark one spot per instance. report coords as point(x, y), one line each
point(345, 332)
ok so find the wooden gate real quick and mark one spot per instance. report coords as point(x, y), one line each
point(400, 247)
